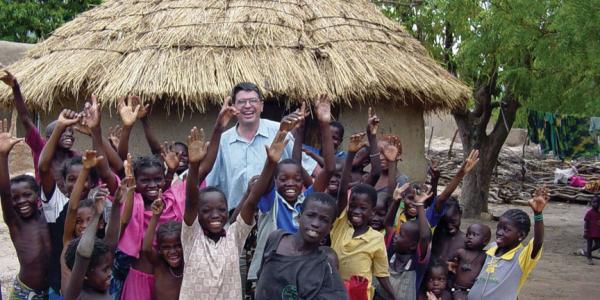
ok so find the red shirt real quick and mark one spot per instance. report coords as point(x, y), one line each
point(592, 224)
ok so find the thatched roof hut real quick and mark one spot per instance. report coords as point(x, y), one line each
point(192, 52)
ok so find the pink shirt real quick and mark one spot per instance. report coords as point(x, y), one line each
point(36, 143)
point(131, 240)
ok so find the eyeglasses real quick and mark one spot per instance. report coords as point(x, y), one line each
point(243, 102)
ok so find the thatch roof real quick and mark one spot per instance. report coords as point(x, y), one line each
point(11, 52)
point(192, 52)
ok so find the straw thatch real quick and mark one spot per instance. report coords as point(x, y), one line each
point(191, 52)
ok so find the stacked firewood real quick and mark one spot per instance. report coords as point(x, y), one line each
point(518, 174)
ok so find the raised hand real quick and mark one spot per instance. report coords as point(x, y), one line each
point(170, 156)
point(539, 200)
point(128, 111)
point(89, 159)
point(8, 78)
point(275, 151)
point(144, 109)
point(373, 122)
point(423, 195)
point(293, 120)
point(356, 142)
point(470, 162)
point(158, 205)
point(433, 170)
point(7, 141)
point(114, 134)
point(399, 191)
point(197, 148)
point(127, 186)
point(228, 111)
point(68, 118)
point(390, 152)
point(99, 195)
point(323, 108)
point(91, 113)
point(128, 166)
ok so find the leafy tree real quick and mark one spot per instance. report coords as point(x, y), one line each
point(515, 53)
point(30, 20)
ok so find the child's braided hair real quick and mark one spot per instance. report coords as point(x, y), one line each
point(100, 249)
point(168, 229)
point(520, 218)
point(148, 161)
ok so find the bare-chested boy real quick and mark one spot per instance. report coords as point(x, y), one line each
point(26, 224)
point(469, 260)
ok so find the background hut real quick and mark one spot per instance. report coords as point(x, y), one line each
point(185, 55)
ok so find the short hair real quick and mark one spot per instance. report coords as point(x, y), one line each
point(287, 161)
point(323, 198)
point(414, 234)
point(436, 263)
point(87, 202)
point(245, 86)
point(100, 249)
point(27, 179)
point(167, 229)
point(211, 189)
point(77, 161)
point(148, 161)
point(339, 126)
point(452, 202)
point(365, 189)
point(182, 144)
point(520, 218)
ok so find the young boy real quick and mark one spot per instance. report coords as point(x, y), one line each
point(410, 249)
point(280, 205)
point(508, 264)
point(469, 260)
point(591, 228)
point(26, 224)
point(294, 266)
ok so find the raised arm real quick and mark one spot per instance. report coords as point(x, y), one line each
point(372, 128)
point(127, 201)
point(19, 102)
point(266, 177)
point(7, 142)
point(65, 119)
point(390, 154)
point(171, 159)
point(92, 119)
point(323, 111)
point(153, 142)
point(465, 168)
point(226, 113)
point(298, 134)
point(124, 193)
point(128, 112)
point(197, 149)
point(147, 249)
point(537, 204)
point(355, 143)
point(84, 254)
point(89, 161)
point(390, 217)
point(424, 229)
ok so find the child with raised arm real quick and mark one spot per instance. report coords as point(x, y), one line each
point(90, 261)
point(26, 225)
point(508, 263)
point(468, 261)
point(280, 184)
point(410, 248)
point(211, 252)
point(294, 265)
point(591, 228)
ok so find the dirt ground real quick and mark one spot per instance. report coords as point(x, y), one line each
point(559, 274)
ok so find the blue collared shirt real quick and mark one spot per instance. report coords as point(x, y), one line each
point(239, 160)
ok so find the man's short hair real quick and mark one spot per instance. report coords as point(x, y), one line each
point(245, 86)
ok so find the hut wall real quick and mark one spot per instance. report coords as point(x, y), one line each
point(406, 122)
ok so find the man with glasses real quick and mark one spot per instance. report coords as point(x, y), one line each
point(242, 152)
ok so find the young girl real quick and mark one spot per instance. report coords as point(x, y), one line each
point(508, 263)
point(90, 261)
point(591, 228)
point(280, 205)
point(435, 282)
point(294, 265)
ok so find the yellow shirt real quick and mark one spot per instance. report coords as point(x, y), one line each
point(363, 255)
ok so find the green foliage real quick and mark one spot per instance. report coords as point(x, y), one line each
point(31, 20)
point(546, 52)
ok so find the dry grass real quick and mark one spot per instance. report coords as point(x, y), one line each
point(192, 52)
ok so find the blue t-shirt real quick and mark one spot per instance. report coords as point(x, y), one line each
point(340, 154)
point(286, 213)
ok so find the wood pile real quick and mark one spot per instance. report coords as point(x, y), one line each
point(515, 179)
